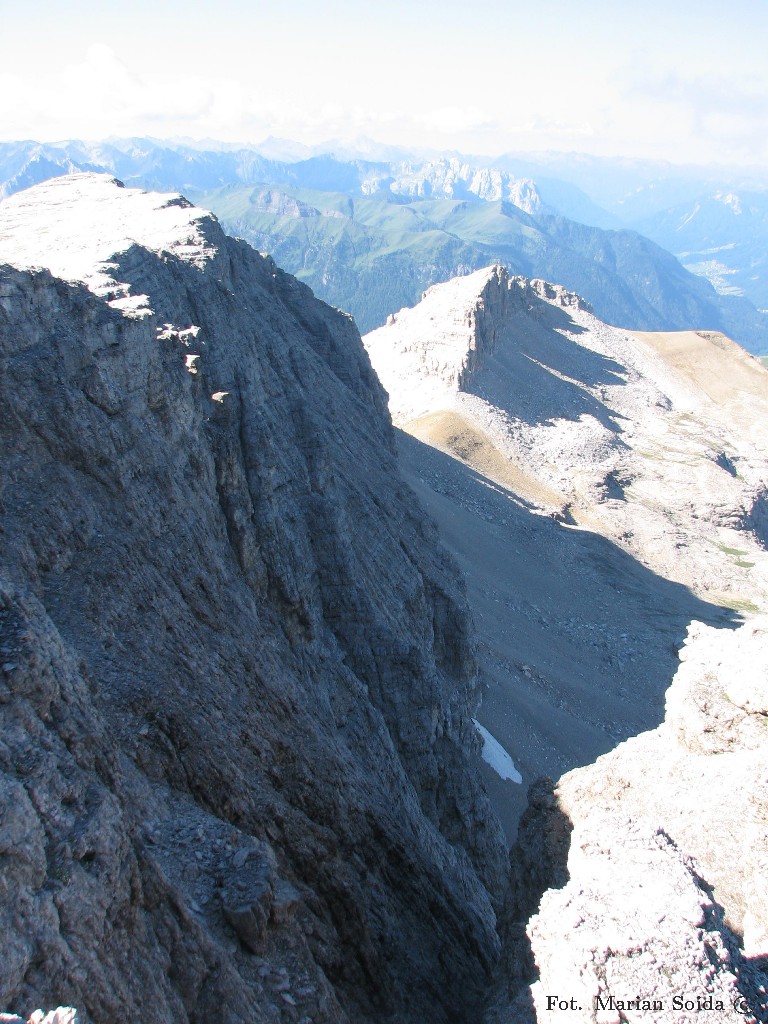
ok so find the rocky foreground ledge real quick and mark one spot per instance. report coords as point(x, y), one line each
point(660, 854)
point(61, 1015)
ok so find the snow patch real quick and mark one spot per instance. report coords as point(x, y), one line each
point(496, 756)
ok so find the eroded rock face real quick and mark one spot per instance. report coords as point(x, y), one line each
point(663, 898)
point(237, 764)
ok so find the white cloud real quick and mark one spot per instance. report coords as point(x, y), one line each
point(451, 120)
point(100, 95)
point(711, 116)
point(321, 84)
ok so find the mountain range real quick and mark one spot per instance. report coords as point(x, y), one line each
point(721, 235)
point(369, 235)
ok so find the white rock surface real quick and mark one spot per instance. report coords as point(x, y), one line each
point(62, 1015)
point(73, 227)
point(666, 896)
point(451, 178)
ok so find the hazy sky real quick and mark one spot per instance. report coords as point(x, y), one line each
point(678, 80)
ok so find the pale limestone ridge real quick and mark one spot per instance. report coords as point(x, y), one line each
point(425, 355)
point(664, 894)
point(656, 441)
point(452, 178)
point(238, 769)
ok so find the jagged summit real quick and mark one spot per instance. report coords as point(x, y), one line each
point(74, 225)
point(451, 178)
point(426, 354)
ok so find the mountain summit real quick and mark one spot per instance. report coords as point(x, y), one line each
point(627, 432)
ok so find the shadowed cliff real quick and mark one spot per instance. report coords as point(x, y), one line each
point(237, 769)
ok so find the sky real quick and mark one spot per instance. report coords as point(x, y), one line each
point(677, 80)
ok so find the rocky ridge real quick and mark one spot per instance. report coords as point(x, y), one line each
point(452, 178)
point(656, 441)
point(238, 769)
point(410, 221)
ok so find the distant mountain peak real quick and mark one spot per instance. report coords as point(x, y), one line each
point(453, 178)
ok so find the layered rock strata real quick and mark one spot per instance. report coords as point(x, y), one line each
point(237, 763)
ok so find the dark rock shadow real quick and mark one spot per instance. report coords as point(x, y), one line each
point(751, 972)
point(538, 861)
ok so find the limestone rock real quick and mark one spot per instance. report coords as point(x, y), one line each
point(663, 899)
point(656, 441)
point(62, 1015)
point(454, 178)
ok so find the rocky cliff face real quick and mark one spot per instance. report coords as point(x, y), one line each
point(427, 355)
point(237, 767)
point(450, 178)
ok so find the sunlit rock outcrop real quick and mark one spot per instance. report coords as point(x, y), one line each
point(662, 899)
